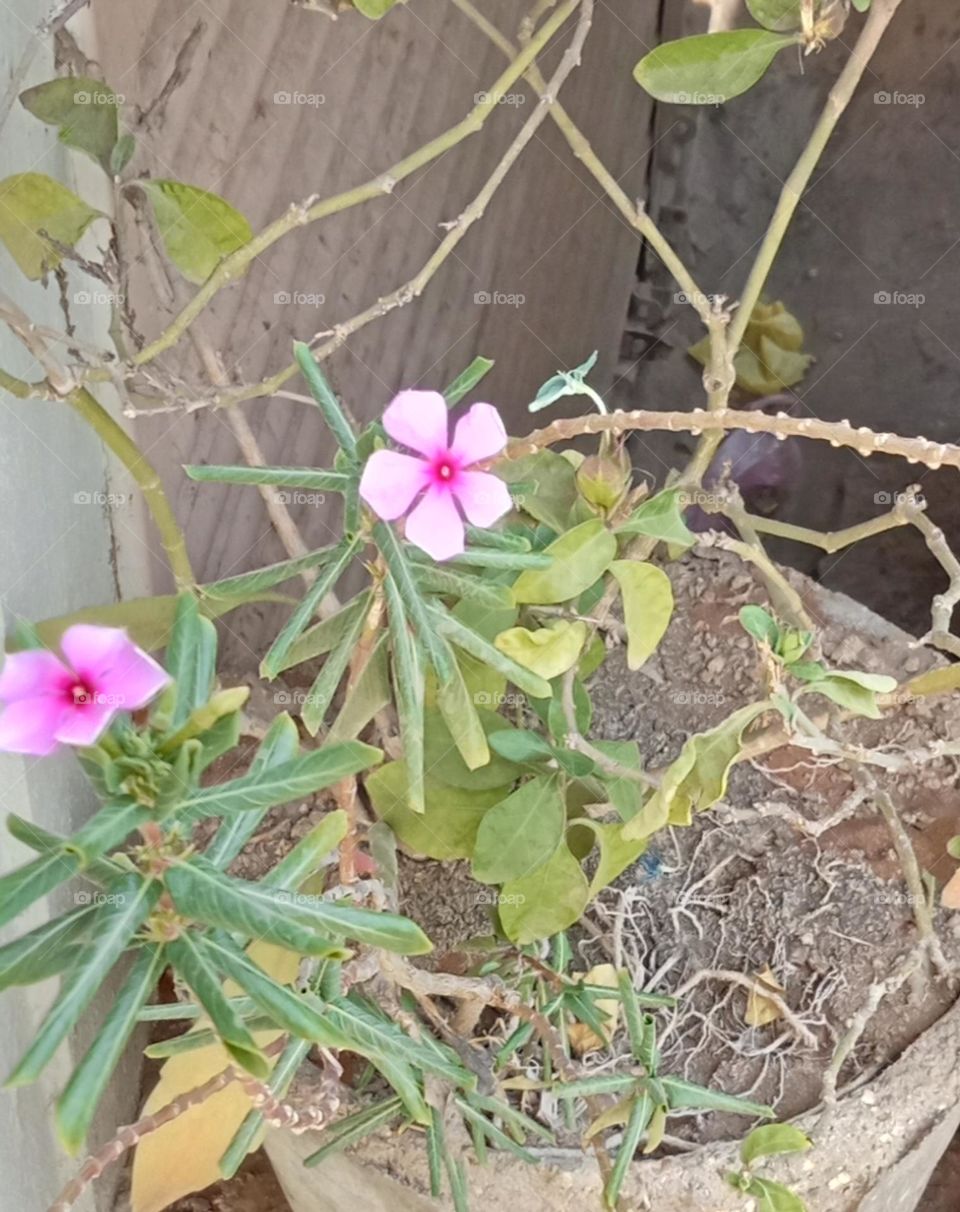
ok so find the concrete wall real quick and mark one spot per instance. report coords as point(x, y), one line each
point(60, 548)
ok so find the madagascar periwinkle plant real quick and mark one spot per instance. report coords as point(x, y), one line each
point(491, 577)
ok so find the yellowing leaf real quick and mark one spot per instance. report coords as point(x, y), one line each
point(579, 557)
point(760, 1010)
point(548, 651)
point(647, 606)
point(198, 228)
point(582, 1037)
point(34, 207)
point(182, 1156)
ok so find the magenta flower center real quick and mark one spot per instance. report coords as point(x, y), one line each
point(445, 468)
point(80, 695)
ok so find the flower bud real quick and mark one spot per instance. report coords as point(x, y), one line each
point(604, 478)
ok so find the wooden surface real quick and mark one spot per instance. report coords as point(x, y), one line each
point(548, 239)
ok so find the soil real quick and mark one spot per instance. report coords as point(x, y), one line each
point(756, 883)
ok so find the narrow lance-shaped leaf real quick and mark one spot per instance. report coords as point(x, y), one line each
point(24, 885)
point(281, 477)
point(320, 695)
point(189, 956)
point(466, 380)
point(416, 608)
point(272, 663)
point(201, 891)
point(326, 635)
point(281, 784)
point(409, 686)
point(278, 747)
point(326, 401)
point(190, 658)
point(306, 856)
point(252, 583)
point(104, 871)
point(79, 1100)
point(464, 637)
point(683, 1096)
point(353, 1128)
point(125, 909)
point(640, 1114)
point(107, 829)
point(246, 1137)
point(45, 951)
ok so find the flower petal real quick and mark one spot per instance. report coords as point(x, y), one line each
point(480, 434)
point(484, 497)
point(112, 666)
point(435, 525)
point(418, 419)
point(30, 725)
point(85, 723)
point(25, 675)
point(390, 481)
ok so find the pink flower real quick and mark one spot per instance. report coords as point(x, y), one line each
point(47, 702)
point(391, 481)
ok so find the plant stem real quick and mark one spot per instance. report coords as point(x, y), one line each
point(116, 439)
point(383, 184)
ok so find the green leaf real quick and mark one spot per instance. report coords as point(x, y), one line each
point(588, 1087)
point(445, 762)
point(307, 856)
point(778, 15)
point(709, 69)
point(280, 784)
point(361, 1025)
point(258, 911)
point(447, 828)
point(661, 517)
point(854, 690)
point(78, 1102)
point(24, 885)
point(698, 777)
point(353, 1128)
point(326, 635)
point(320, 695)
point(553, 494)
point(467, 380)
point(472, 642)
point(278, 747)
point(122, 154)
point(280, 477)
point(579, 557)
point(548, 651)
point(248, 585)
point(369, 694)
point(191, 957)
point(626, 795)
point(45, 951)
point(277, 653)
point(108, 828)
point(686, 1096)
point(546, 901)
point(521, 745)
point(450, 583)
point(374, 9)
point(410, 691)
point(772, 1139)
point(774, 1197)
point(417, 609)
point(861, 6)
point(647, 606)
point(640, 1114)
point(85, 110)
point(124, 910)
point(190, 658)
point(103, 871)
point(760, 624)
point(518, 835)
point(198, 228)
point(463, 722)
point(327, 402)
point(617, 852)
point(35, 209)
point(245, 1139)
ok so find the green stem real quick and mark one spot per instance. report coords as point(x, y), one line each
point(383, 184)
point(18, 387)
point(116, 439)
point(880, 15)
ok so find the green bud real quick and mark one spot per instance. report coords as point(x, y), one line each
point(604, 478)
